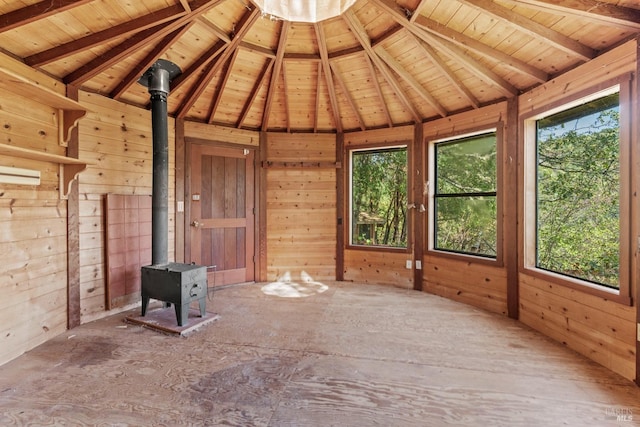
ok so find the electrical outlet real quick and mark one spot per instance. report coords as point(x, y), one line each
point(408, 264)
point(418, 264)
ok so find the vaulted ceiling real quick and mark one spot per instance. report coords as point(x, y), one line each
point(382, 63)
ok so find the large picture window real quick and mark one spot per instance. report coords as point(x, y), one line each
point(379, 197)
point(465, 205)
point(578, 191)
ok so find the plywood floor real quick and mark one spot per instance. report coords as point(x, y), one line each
point(354, 355)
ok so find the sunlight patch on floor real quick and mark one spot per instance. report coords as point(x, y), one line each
point(286, 287)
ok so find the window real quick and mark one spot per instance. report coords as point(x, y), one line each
point(577, 223)
point(379, 197)
point(465, 205)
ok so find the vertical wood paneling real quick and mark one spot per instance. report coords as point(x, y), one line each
point(301, 208)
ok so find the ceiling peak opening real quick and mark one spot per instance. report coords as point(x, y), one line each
point(304, 10)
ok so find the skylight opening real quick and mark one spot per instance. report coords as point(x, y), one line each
point(304, 10)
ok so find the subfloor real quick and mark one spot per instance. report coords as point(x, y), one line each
point(353, 355)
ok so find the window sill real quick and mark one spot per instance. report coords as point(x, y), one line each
point(475, 259)
point(581, 286)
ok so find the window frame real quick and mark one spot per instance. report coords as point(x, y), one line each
point(349, 205)
point(498, 129)
point(622, 85)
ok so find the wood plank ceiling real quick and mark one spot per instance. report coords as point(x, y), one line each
point(383, 63)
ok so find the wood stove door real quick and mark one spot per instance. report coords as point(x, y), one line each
point(221, 213)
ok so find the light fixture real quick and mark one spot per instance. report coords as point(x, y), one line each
point(304, 10)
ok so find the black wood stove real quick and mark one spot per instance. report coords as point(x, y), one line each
point(170, 282)
point(175, 283)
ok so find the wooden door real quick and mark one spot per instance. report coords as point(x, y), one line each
point(222, 213)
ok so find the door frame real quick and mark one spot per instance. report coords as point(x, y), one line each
point(183, 194)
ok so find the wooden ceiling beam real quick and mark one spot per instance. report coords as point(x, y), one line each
point(350, 100)
point(134, 26)
point(131, 45)
point(361, 34)
point(534, 29)
point(245, 23)
point(480, 48)
point(407, 77)
point(142, 66)
point(228, 66)
point(36, 12)
point(317, 100)
point(202, 61)
point(275, 74)
point(417, 10)
point(446, 46)
point(324, 59)
point(421, 24)
point(595, 10)
point(285, 93)
point(376, 85)
point(254, 91)
point(447, 72)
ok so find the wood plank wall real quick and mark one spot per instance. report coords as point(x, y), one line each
point(371, 265)
point(118, 139)
point(599, 329)
point(301, 206)
point(33, 225)
point(476, 282)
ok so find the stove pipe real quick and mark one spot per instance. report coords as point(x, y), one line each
point(157, 79)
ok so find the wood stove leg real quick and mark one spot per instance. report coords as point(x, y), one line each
point(182, 313)
point(203, 306)
point(145, 304)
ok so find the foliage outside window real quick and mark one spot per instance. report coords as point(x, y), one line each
point(465, 205)
point(379, 197)
point(578, 192)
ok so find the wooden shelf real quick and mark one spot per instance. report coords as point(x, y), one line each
point(70, 111)
point(69, 167)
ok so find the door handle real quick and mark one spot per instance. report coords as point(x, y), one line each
point(195, 223)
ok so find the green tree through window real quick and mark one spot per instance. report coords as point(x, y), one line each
point(578, 192)
point(465, 195)
point(379, 197)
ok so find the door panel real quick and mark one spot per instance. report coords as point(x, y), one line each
point(222, 230)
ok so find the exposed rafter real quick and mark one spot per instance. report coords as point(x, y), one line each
point(284, 30)
point(324, 58)
point(534, 29)
point(36, 12)
point(421, 23)
point(446, 72)
point(348, 97)
point(254, 91)
point(148, 60)
point(131, 27)
point(413, 83)
point(376, 85)
point(247, 20)
point(595, 10)
point(362, 36)
point(414, 60)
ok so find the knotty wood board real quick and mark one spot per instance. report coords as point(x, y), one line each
point(128, 246)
